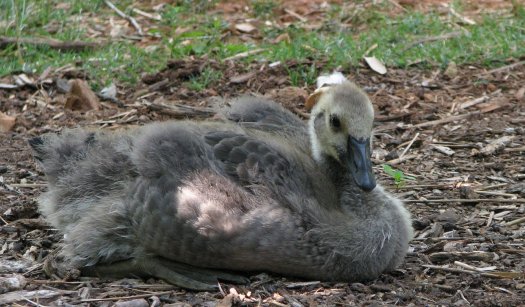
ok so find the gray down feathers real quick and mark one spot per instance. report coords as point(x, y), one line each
point(243, 195)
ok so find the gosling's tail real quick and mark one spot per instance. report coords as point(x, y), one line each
point(58, 152)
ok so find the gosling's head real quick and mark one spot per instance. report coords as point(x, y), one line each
point(341, 128)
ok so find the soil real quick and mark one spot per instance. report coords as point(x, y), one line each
point(453, 164)
point(458, 136)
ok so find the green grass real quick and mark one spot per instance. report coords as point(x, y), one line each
point(207, 77)
point(491, 42)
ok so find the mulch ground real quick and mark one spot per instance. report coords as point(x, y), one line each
point(459, 138)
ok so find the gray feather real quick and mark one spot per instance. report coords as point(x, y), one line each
point(218, 195)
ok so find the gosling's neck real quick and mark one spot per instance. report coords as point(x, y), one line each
point(350, 196)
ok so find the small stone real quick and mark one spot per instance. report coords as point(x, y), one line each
point(12, 283)
point(448, 216)
point(466, 192)
point(452, 70)
point(453, 246)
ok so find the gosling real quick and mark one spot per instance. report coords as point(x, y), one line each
point(188, 202)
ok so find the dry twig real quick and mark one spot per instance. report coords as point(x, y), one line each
point(408, 146)
point(294, 14)
point(504, 68)
point(473, 200)
point(461, 17)
point(478, 100)
point(516, 221)
point(181, 111)
point(50, 42)
point(131, 20)
point(500, 275)
point(126, 297)
point(433, 39)
point(244, 54)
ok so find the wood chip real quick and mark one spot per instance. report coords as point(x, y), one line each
point(139, 302)
point(440, 257)
point(292, 285)
point(6, 86)
point(12, 297)
point(495, 146)
point(6, 122)
point(443, 149)
point(520, 93)
point(81, 97)
point(242, 78)
point(23, 79)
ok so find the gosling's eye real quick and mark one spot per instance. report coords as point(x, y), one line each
point(335, 122)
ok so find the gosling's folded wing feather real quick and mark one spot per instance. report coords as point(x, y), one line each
point(181, 149)
point(252, 161)
point(211, 191)
point(262, 111)
point(263, 114)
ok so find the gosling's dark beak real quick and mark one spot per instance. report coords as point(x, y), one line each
point(360, 164)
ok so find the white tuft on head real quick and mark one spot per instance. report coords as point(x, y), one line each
point(335, 78)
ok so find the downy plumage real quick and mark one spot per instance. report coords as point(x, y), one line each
point(184, 200)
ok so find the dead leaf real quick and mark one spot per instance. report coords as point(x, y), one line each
point(181, 30)
point(282, 38)
point(227, 301)
point(81, 97)
point(6, 122)
point(491, 87)
point(497, 103)
point(63, 6)
point(314, 98)
point(376, 65)
point(245, 27)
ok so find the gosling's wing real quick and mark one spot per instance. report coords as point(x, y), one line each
point(199, 183)
point(252, 161)
point(262, 114)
